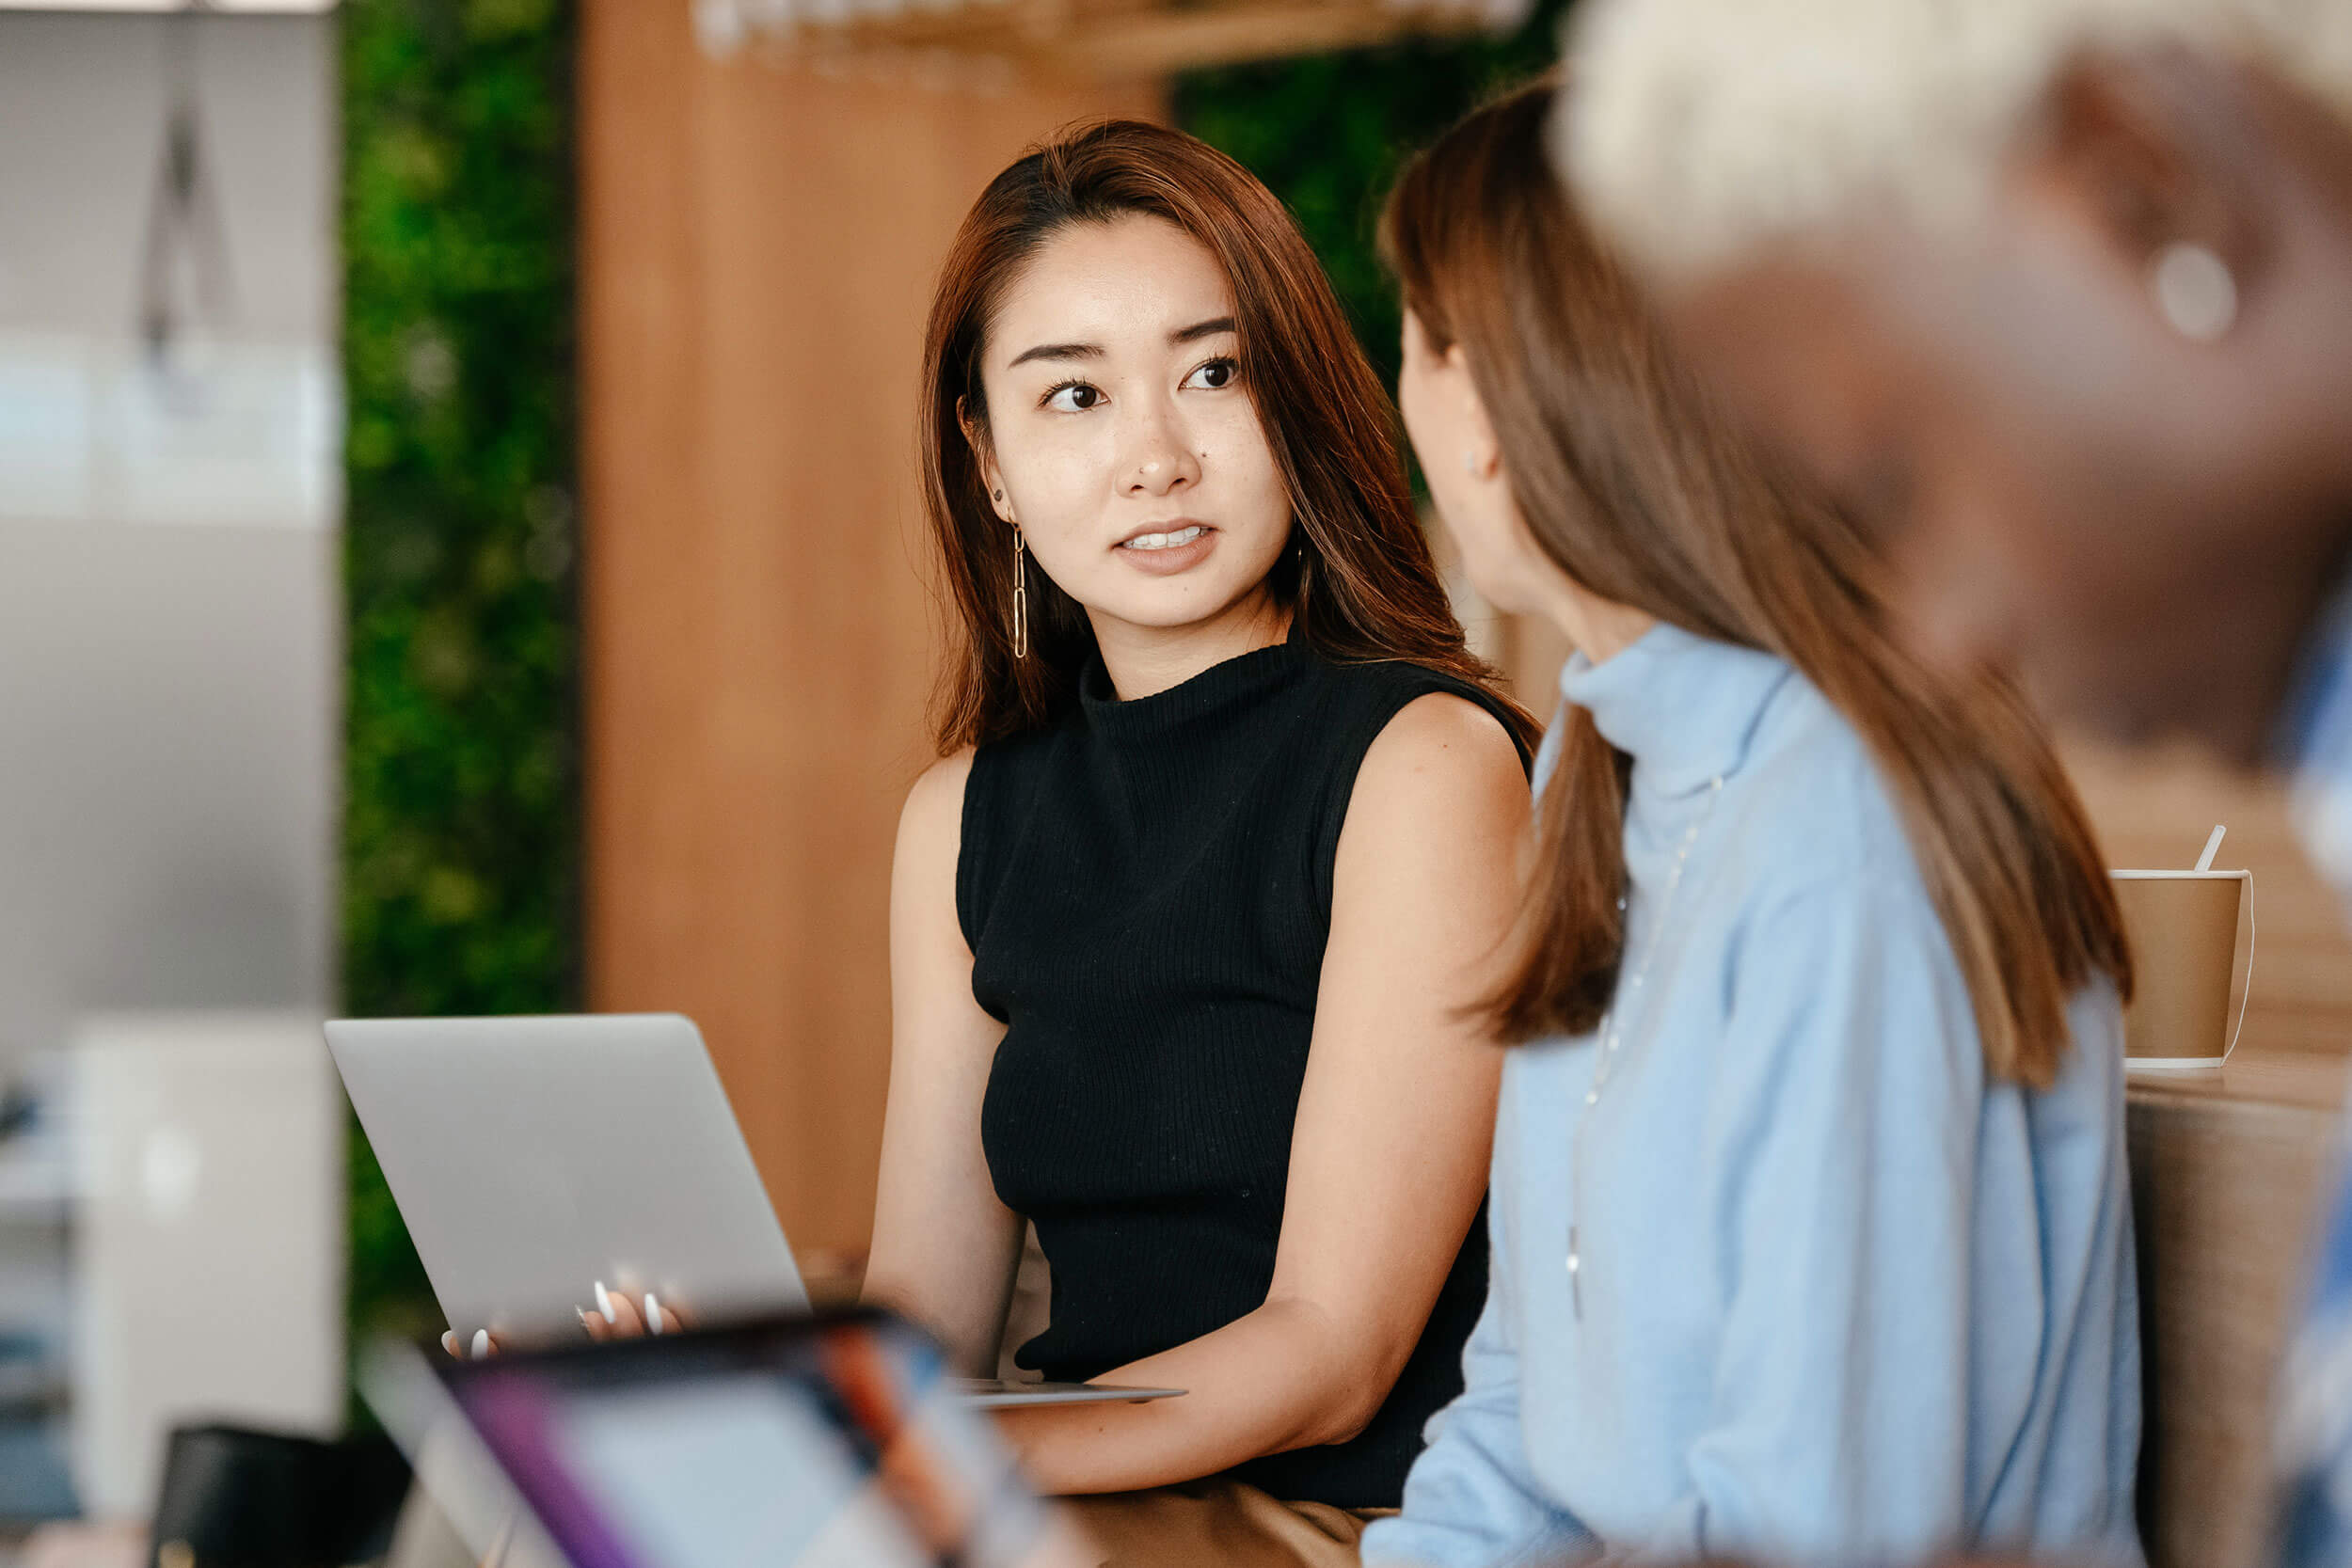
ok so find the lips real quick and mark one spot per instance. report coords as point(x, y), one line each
point(1169, 549)
point(1170, 539)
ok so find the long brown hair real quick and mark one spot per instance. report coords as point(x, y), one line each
point(1643, 492)
point(1359, 580)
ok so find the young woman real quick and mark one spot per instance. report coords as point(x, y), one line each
point(1186, 920)
point(1811, 1229)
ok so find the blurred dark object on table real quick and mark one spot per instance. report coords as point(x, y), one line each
point(233, 1497)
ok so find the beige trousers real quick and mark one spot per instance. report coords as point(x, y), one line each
point(1217, 1524)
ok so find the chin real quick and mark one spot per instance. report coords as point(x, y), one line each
point(1181, 604)
point(1165, 603)
point(1499, 592)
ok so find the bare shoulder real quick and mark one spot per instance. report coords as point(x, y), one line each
point(931, 825)
point(1442, 749)
point(1425, 876)
point(939, 791)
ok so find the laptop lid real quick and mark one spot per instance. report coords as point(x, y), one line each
point(533, 1157)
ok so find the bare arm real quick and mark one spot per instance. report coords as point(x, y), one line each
point(1388, 1153)
point(944, 1249)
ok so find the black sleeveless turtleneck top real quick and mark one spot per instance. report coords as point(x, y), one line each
point(1146, 887)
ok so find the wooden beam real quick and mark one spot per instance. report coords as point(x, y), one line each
point(1105, 40)
point(1167, 42)
point(757, 251)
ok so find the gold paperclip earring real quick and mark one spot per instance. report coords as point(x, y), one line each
point(1020, 597)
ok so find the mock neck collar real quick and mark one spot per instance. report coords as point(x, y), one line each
point(1220, 687)
point(1684, 707)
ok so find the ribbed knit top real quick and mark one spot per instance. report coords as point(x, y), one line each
point(1147, 888)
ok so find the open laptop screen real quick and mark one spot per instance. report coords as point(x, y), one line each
point(812, 1442)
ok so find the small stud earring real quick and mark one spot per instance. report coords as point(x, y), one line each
point(1469, 465)
point(2194, 292)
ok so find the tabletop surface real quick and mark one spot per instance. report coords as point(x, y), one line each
point(2256, 1075)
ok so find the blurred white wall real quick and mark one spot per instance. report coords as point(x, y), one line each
point(169, 642)
point(169, 734)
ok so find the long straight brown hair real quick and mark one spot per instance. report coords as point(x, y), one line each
point(1634, 484)
point(1358, 580)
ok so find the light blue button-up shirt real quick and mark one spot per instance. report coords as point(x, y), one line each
point(1841, 1299)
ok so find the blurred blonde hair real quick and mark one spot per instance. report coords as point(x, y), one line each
point(1701, 130)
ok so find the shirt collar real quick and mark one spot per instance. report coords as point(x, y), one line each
point(1684, 707)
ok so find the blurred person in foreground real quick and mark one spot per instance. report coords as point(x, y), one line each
point(2057, 294)
point(1809, 1222)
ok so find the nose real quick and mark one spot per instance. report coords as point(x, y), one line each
point(1158, 459)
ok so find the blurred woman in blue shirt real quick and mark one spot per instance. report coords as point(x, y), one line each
point(1810, 1219)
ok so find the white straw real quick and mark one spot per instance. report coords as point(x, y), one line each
point(2212, 845)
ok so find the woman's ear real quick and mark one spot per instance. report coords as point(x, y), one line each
point(2148, 149)
point(1482, 455)
point(984, 452)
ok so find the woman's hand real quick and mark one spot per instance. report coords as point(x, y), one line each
point(618, 1315)
point(484, 1345)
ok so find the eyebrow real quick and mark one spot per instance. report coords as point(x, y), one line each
point(1194, 333)
point(1059, 351)
point(1199, 330)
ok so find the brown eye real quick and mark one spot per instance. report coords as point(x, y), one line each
point(1074, 397)
point(1216, 375)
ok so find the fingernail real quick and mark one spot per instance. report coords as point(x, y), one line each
point(581, 1313)
point(482, 1344)
point(604, 1304)
point(653, 1314)
point(449, 1341)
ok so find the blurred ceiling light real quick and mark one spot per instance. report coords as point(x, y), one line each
point(983, 41)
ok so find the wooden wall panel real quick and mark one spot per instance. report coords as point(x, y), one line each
point(757, 247)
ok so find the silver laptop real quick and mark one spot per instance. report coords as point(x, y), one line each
point(533, 1157)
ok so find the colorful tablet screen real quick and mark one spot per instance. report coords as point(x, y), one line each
point(807, 1443)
